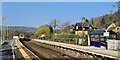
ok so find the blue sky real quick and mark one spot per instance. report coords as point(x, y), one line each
point(60, 0)
point(34, 14)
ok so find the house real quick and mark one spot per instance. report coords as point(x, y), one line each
point(104, 26)
point(111, 26)
point(71, 27)
point(68, 30)
point(81, 28)
point(115, 29)
point(107, 26)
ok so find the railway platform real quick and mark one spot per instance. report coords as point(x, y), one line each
point(25, 52)
point(88, 49)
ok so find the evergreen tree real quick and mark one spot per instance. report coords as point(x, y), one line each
point(51, 29)
point(87, 20)
point(103, 21)
point(92, 21)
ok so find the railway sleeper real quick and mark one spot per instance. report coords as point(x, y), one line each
point(71, 52)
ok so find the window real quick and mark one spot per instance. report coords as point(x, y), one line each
point(83, 28)
point(96, 38)
point(117, 28)
point(77, 27)
point(90, 27)
point(102, 38)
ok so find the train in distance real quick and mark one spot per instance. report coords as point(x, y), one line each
point(22, 37)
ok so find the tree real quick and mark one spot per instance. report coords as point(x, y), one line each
point(55, 23)
point(117, 5)
point(103, 21)
point(51, 29)
point(92, 21)
point(63, 25)
point(44, 29)
point(87, 20)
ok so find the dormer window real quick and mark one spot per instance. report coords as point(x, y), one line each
point(77, 27)
point(117, 28)
point(83, 28)
point(90, 27)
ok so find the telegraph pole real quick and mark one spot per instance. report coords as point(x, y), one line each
point(3, 30)
point(1, 38)
point(7, 32)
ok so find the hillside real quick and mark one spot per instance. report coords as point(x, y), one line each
point(22, 28)
point(16, 30)
point(106, 19)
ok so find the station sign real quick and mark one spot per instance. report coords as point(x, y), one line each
point(106, 34)
point(15, 37)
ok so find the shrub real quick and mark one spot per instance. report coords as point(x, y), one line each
point(65, 36)
point(118, 36)
point(85, 40)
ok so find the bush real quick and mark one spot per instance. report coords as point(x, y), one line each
point(85, 40)
point(47, 37)
point(118, 36)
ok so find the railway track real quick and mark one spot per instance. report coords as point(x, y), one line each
point(45, 53)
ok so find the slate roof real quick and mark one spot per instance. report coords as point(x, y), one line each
point(112, 28)
point(105, 25)
point(85, 24)
point(100, 32)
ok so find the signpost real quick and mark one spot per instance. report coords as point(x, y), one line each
point(106, 34)
point(80, 41)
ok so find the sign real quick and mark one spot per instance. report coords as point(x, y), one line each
point(15, 37)
point(80, 41)
point(106, 33)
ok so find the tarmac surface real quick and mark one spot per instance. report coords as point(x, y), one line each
point(9, 51)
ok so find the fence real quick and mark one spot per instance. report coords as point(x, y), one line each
point(76, 41)
point(67, 40)
point(114, 44)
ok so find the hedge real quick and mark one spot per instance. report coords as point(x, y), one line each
point(65, 36)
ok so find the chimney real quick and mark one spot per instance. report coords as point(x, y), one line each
point(83, 19)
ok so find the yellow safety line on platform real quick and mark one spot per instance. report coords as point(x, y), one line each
point(25, 55)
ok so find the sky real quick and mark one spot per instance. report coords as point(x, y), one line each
point(60, 0)
point(34, 14)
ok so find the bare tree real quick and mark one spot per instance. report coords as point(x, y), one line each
point(117, 5)
point(55, 23)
